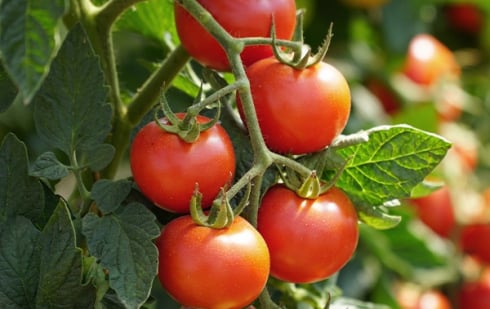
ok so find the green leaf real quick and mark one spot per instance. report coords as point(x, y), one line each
point(390, 164)
point(28, 31)
point(19, 263)
point(351, 303)
point(425, 188)
point(122, 241)
point(48, 166)
point(20, 194)
point(376, 218)
point(152, 19)
point(109, 194)
point(71, 112)
point(60, 276)
point(7, 89)
point(98, 157)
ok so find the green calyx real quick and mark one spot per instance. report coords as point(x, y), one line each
point(302, 58)
point(222, 214)
point(187, 128)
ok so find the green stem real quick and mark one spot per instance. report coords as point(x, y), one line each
point(265, 300)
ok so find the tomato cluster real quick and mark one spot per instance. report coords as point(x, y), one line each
point(204, 265)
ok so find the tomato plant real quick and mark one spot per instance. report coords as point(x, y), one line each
point(428, 60)
point(436, 210)
point(167, 169)
point(202, 267)
point(299, 111)
point(291, 226)
point(235, 17)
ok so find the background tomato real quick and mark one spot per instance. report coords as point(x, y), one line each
point(433, 300)
point(428, 60)
point(167, 169)
point(475, 294)
point(308, 239)
point(240, 19)
point(475, 240)
point(436, 211)
point(210, 268)
point(465, 17)
point(299, 111)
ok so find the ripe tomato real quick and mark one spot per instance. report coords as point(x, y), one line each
point(202, 267)
point(241, 19)
point(474, 240)
point(465, 17)
point(308, 239)
point(428, 60)
point(475, 294)
point(433, 300)
point(299, 111)
point(436, 211)
point(167, 169)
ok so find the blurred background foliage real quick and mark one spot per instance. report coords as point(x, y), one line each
point(370, 43)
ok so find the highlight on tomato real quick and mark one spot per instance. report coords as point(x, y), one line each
point(308, 239)
point(428, 60)
point(299, 110)
point(204, 267)
point(167, 168)
point(239, 19)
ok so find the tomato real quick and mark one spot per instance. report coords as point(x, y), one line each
point(475, 294)
point(202, 267)
point(433, 300)
point(167, 169)
point(465, 17)
point(308, 239)
point(387, 97)
point(474, 240)
point(428, 60)
point(299, 111)
point(436, 211)
point(241, 19)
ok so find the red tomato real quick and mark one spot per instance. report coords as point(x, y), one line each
point(167, 169)
point(308, 239)
point(391, 104)
point(475, 294)
point(299, 111)
point(475, 240)
point(241, 19)
point(465, 16)
point(202, 267)
point(436, 211)
point(433, 300)
point(428, 60)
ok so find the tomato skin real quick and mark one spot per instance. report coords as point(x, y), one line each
point(299, 111)
point(308, 239)
point(433, 300)
point(241, 19)
point(474, 295)
point(436, 211)
point(465, 17)
point(428, 60)
point(202, 267)
point(475, 239)
point(166, 168)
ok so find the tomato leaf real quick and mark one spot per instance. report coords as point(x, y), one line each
point(109, 195)
point(71, 112)
point(390, 164)
point(98, 157)
point(122, 241)
point(28, 30)
point(375, 217)
point(60, 268)
point(19, 194)
point(48, 166)
point(152, 19)
point(19, 263)
point(351, 303)
point(7, 89)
